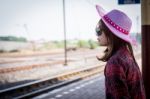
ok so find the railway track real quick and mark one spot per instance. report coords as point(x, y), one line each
point(32, 89)
point(38, 87)
point(29, 67)
point(36, 65)
point(5, 59)
point(32, 66)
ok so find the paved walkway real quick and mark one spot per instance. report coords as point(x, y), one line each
point(91, 88)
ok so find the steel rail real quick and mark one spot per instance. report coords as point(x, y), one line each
point(38, 87)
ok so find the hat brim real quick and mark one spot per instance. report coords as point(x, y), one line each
point(125, 37)
point(100, 11)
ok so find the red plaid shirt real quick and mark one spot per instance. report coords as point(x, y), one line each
point(122, 77)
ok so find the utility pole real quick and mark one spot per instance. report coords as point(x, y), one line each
point(27, 31)
point(137, 28)
point(65, 41)
point(145, 8)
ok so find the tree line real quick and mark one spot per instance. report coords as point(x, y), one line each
point(13, 38)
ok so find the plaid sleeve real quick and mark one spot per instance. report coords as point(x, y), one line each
point(116, 86)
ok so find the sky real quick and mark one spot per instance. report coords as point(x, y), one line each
point(43, 19)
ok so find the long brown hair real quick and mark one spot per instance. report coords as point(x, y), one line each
point(114, 42)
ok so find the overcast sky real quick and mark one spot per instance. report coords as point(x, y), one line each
point(43, 19)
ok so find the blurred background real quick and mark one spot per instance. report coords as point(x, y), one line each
point(46, 38)
point(41, 22)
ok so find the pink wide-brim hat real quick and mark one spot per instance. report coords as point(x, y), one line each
point(118, 23)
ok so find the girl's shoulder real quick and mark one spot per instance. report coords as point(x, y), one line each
point(118, 63)
point(121, 58)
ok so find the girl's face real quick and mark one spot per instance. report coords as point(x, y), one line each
point(101, 37)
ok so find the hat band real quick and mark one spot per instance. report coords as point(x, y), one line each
point(108, 20)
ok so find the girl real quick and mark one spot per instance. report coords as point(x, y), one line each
point(123, 79)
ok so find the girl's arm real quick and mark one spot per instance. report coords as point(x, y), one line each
point(116, 85)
